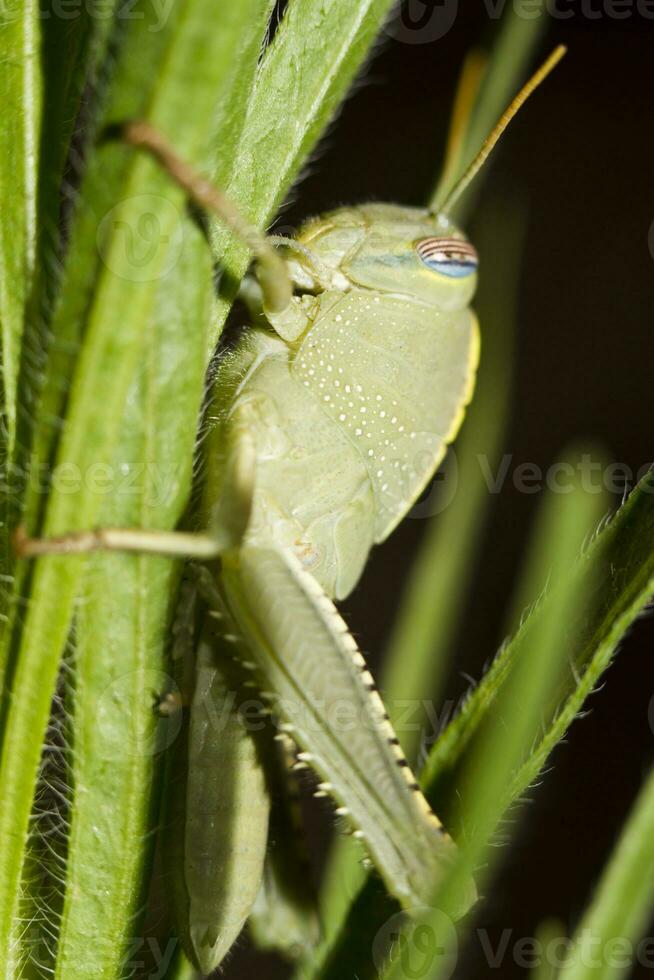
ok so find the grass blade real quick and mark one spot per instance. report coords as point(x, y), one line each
point(20, 122)
point(483, 799)
point(617, 573)
point(108, 294)
point(531, 583)
point(73, 52)
point(233, 109)
point(513, 48)
point(547, 648)
point(121, 639)
point(548, 938)
point(20, 93)
point(122, 628)
point(603, 946)
point(621, 561)
point(181, 969)
point(70, 53)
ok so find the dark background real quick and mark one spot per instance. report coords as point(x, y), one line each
point(580, 156)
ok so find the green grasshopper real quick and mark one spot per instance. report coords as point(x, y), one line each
point(331, 415)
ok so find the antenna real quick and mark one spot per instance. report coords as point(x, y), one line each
point(493, 137)
point(271, 269)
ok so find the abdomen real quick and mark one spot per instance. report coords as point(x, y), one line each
point(312, 491)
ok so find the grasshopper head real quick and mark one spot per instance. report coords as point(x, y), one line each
point(395, 250)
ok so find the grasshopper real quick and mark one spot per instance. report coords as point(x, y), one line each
point(331, 415)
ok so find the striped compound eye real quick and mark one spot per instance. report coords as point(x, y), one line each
point(452, 257)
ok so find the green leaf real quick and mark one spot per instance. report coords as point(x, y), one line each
point(20, 95)
point(73, 51)
point(604, 945)
point(531, 583)
point(181, 969)
point(109, 296)
point(618, 568)
point(20, 121)
point(548, 939)
point(70, 52)
point(121, 637)
point(124, 617)
point(517, 718)
point(482, 798)
point(513, 48)
point(232, 110)
point(621, 563)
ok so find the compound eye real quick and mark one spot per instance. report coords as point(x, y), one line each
point(452, 257)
